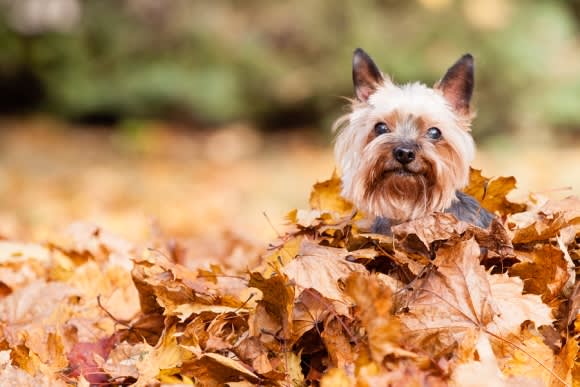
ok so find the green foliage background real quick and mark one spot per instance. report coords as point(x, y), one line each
point(285, 64)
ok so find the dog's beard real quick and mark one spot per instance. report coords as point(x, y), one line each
point(398, 192)
point(384, 187)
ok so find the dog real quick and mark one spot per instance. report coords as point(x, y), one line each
point(404, 151)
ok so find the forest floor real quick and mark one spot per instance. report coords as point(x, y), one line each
point(166, 255)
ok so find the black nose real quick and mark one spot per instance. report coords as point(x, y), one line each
point(403, 154)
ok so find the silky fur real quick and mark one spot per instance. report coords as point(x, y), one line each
point(374, 181)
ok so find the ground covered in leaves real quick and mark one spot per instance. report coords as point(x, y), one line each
point(325, 303)
point(440, 302)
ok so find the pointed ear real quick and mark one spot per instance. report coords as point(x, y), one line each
point(366, 76)
point(457, 84)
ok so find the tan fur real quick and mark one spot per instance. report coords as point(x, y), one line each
point(369, 172)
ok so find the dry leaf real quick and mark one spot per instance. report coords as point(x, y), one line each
point(374, 308)
point(545, 271)
point(429, 313)
point(325, 196)
point(459, 296)
point(491, 193)
point(277, 302)
point(213, 369)
point(546, 221)
point(321, 268)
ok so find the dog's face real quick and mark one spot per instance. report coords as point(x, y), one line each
point(403, 151)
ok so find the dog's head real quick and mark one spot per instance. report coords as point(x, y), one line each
point(404, 150)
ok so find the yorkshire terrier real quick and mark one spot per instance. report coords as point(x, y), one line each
point(404, 150)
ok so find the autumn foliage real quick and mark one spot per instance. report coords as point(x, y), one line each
point(441, 302)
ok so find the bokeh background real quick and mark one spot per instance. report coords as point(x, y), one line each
point(207, 117)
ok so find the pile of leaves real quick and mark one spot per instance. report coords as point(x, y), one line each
point(439, 302)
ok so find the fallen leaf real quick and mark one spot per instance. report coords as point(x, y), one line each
point(544, 270)
point(326, 196)
point(374, 308)
point(492, 193)
point(336, 377)
point(321, 268)
point(277, 301)
point(546, 221)
point(213, 369)
point(458, 296)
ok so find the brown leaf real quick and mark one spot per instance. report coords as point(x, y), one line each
point(213, 369)
point(374, 308)
point(458, 296)
point(337, 343)
point(545, 222)
point(277, 301)
point(310, 309)
point(442, 226)
point(253, 352)
point(436, 227)
point(544, 271)
point(321, 268)
point(491, 193)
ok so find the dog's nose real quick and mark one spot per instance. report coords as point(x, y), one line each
point(403, 154)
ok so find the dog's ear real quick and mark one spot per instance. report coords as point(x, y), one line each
point(457, 84)
point(366, 76)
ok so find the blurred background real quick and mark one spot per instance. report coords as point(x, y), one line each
point(199, 116)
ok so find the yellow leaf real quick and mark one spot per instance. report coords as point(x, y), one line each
point(336, 377)
point(326, 196)
point(165, 355)
point(491, 193)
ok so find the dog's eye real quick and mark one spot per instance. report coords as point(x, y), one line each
point(434, 133)
point(381, 128)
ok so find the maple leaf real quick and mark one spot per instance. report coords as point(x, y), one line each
point(439, 227)
point(213, 369)
point(486, 371)
point(165, 355)
point(374, 308)
point(173, 290)
point(325, 196)
point(310, 309)
point(33, 319)
point(436, 227)
point(336, 377)
point(21, 264)
point(458, 297)
point(321, 268)
point(83, 359)
point(545, 222)
point(491, 193)
point(545, 271)
point(276, 304)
